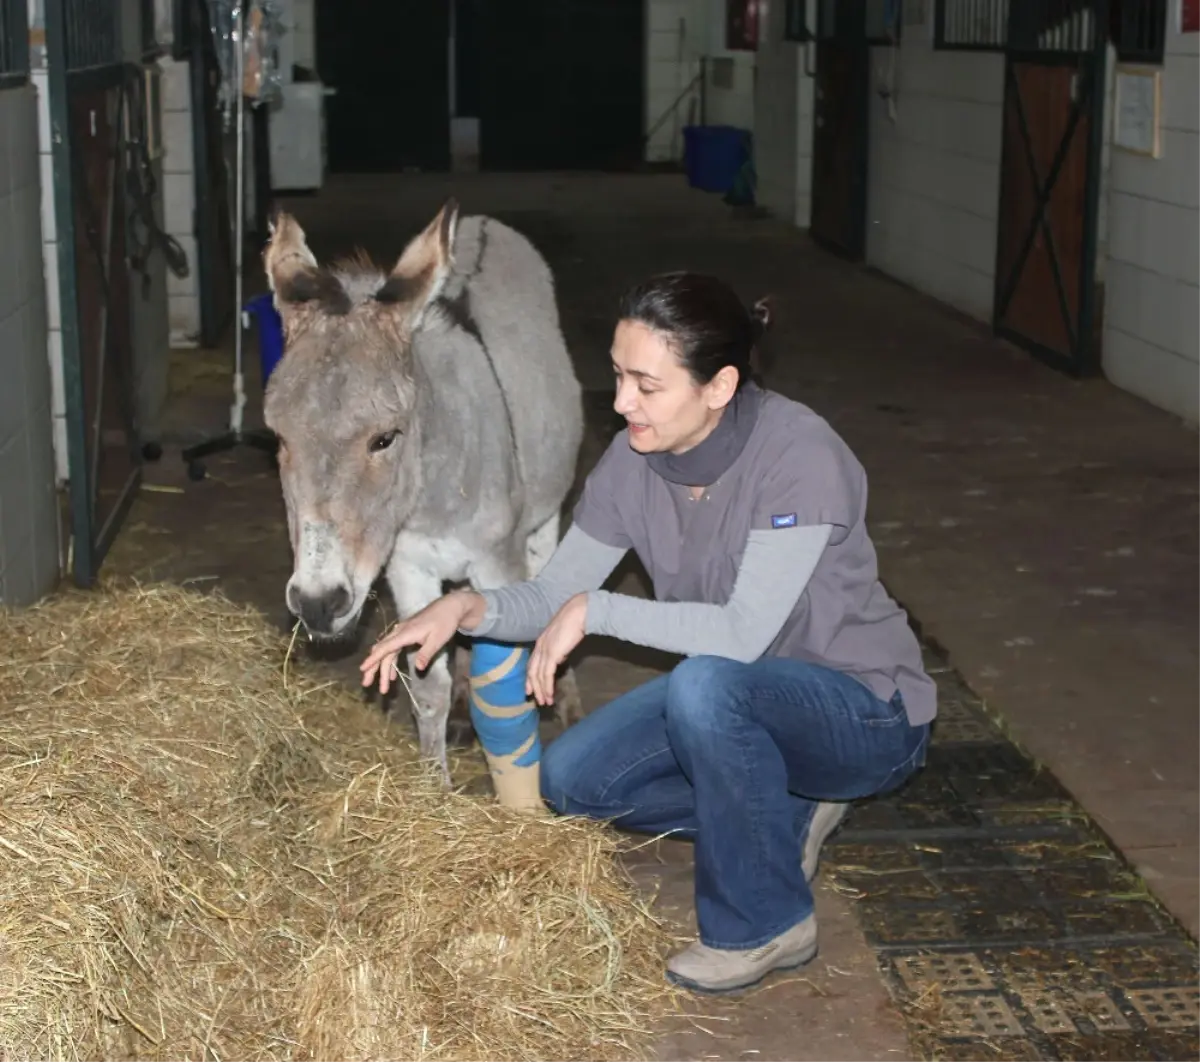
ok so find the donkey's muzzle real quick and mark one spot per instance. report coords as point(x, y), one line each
point(320, 612)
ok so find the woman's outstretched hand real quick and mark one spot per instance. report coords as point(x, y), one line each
point(557, 641)
point(429, 629)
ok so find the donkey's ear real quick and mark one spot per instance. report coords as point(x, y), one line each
point(298, 283)
point(286, 255)
point(421, 272)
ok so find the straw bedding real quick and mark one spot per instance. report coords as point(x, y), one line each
point(199, 861)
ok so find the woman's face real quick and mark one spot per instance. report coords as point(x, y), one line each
point(665, 408)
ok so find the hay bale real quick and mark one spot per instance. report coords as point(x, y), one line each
point(196, 862)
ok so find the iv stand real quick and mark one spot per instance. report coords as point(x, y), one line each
point(263, 439)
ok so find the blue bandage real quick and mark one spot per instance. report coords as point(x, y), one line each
point(505, 720)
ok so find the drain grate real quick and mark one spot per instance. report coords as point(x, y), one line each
point(1008, 926)
point(950, 973)
point(1167, 1008)
point(983, 1015)
point(1049, 1015)
point(1073, 1012)
point(1099, 1011)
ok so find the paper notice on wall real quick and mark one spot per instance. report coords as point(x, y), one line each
point(1136, 128)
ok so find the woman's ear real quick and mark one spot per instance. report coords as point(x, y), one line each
point(722, 387)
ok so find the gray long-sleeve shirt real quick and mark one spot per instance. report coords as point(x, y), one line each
point(774, 571)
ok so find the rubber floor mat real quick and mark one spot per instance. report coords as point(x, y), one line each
point(1006, 924)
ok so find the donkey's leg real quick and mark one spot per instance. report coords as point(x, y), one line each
point(460, 734)
point(539, 548)
point(505, 718)
point(413, 587)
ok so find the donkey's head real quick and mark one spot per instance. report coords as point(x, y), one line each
point(343, 402)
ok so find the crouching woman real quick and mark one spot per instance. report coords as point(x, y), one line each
point(802, 686)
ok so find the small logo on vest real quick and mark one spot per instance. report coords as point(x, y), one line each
point(788, 520)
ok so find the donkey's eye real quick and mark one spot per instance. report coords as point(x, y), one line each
point(382, 441)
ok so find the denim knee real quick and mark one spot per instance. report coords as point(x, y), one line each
point(702, 692)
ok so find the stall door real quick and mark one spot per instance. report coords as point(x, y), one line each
point(562, 84)
point(389, 66)
point(1046, 293)
point(841, 116)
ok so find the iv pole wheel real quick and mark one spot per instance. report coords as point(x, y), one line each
point(196, 471)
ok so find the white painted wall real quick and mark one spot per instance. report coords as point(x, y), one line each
point(1152, 308)
point(776, 115)
point(783, 120)
point(934, 167)
point(299, 17)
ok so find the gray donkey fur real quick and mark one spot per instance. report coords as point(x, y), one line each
point(429, 421)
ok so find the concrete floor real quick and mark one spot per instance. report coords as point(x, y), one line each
point(1043, 531)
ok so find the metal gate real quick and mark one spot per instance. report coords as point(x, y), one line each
point(1046, 297)
point(840, 127)
point(93, 95)
point(213, 162)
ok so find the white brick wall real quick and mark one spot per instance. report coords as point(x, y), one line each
point(934, 173)
point(783, 115)
point(179, 199)
point(1152, 308)
point(49, 230)
point(678, 34)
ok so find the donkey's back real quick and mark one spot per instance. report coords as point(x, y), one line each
point(501, 291)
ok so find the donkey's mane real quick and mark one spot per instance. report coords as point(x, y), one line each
point(357, 263)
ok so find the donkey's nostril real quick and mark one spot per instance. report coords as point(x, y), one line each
point(319, 612)
point(339, 601)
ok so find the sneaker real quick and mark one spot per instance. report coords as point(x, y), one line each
point(826, 819)
point(713, 970)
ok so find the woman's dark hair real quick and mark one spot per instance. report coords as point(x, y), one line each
point(704, 320)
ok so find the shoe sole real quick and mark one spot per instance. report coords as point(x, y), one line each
point(706, 990)
point(820, 838)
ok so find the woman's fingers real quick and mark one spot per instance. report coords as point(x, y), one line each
point(381, 660)
point(541, 674)
point(386, 671)
point(538, 670)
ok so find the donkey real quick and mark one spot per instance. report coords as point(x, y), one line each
point(429, 422)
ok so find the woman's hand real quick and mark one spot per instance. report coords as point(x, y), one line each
point(431, 628)
point(553, 647)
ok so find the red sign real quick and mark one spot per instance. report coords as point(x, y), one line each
point(741, 25)
point(1189, 16)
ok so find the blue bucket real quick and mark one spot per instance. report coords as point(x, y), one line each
point(270, 332)
point(713, 155)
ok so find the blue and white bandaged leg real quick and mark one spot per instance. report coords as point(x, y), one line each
point(506, 722)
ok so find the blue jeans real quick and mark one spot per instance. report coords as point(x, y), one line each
point(735, 756)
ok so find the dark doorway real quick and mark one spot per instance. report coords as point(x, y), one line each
point(468, 57)
point(389, 66)
point(562, 84)
point(841, 116)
